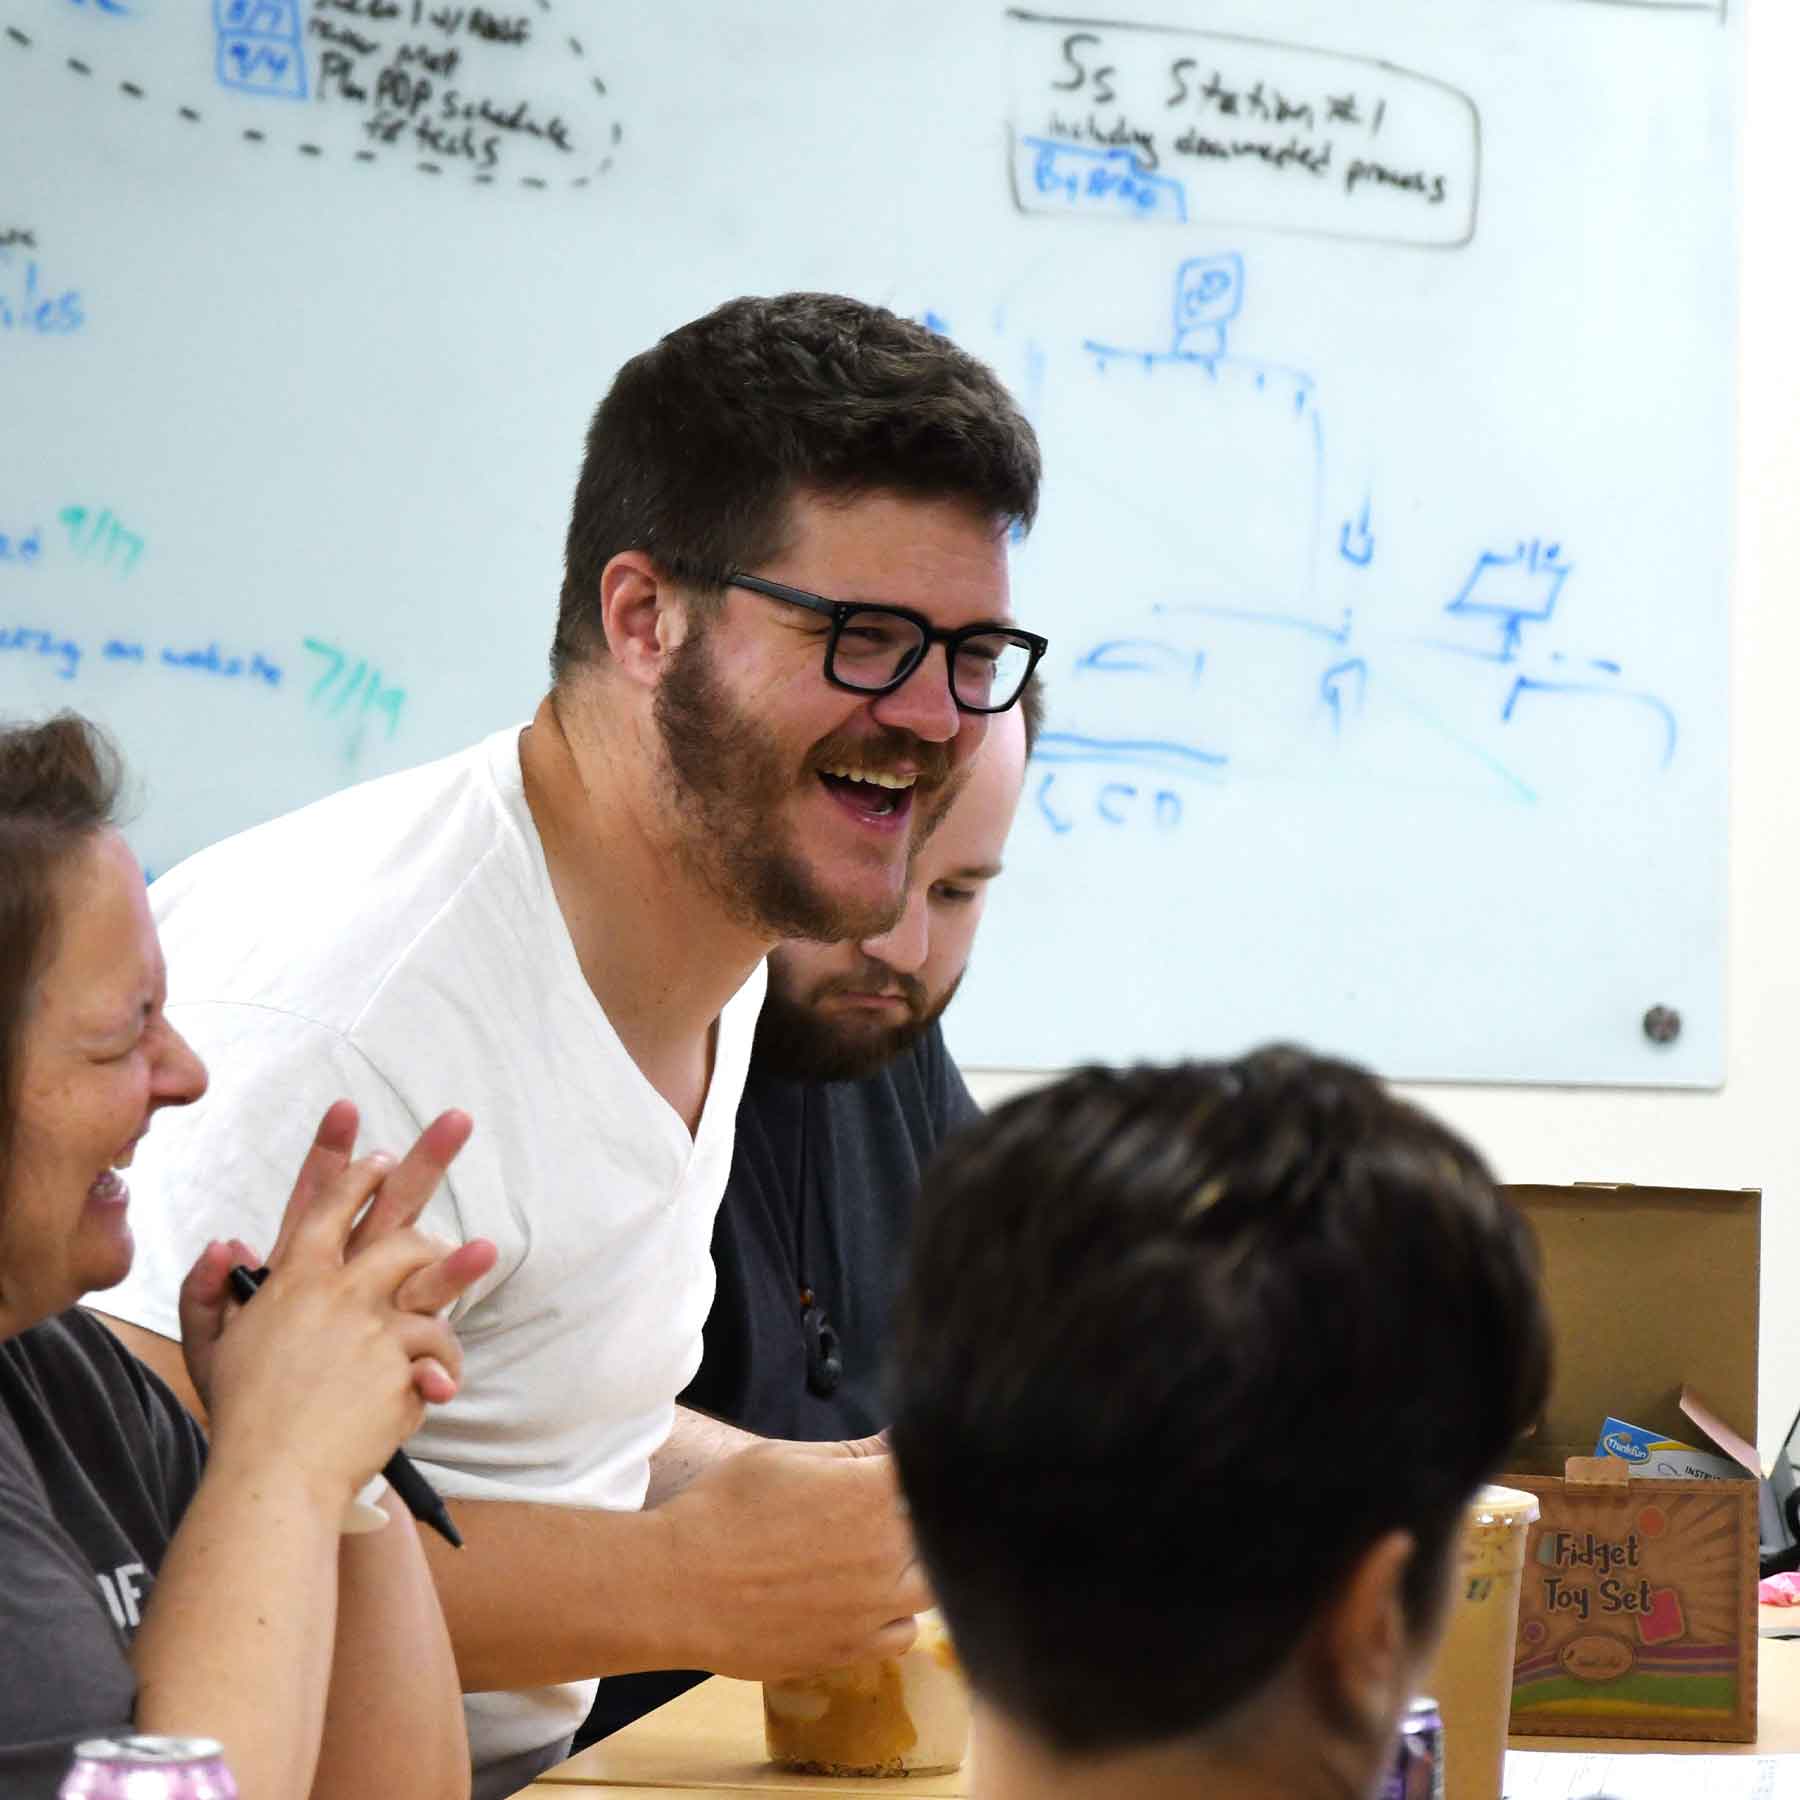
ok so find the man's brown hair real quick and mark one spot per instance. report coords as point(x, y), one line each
point(703, 439)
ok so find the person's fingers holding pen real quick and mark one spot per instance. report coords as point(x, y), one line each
point(205, 1304)
point(319, 1370)
point(317, 1378)
point(322, 1371)
point(206, 1293)
point(413, 1180)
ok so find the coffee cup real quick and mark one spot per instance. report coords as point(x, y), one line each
point(1471, 1675)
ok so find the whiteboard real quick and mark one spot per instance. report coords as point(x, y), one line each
point(1382, 357)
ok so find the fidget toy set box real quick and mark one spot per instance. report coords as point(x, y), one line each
point(1637, 1610)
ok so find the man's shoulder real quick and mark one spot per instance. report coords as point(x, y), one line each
point(315, 912)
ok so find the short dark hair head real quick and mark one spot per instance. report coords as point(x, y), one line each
point(59, 784)
point(703, 440)
point(1177, 1346)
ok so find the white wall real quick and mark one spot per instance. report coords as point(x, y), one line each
point(1744, 1135)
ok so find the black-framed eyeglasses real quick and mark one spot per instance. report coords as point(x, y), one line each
point(873, 649)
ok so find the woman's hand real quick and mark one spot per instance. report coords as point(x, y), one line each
point(205, 1302)
point(327, 1373)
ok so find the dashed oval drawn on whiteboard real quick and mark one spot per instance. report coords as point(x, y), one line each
point(497, 95)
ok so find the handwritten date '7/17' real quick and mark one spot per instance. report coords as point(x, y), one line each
point(354, 687)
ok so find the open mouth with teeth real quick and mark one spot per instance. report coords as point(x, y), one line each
point(870, 794)
point(108, 1186)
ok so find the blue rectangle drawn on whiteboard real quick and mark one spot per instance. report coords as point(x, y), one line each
point(259, 47)
point(1106, 181)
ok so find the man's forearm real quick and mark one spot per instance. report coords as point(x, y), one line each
point(775, 1560)
point(695, 1443)
point(543, 1594)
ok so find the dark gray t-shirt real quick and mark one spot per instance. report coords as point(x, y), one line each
point(98, 1461)
point(823, 1177)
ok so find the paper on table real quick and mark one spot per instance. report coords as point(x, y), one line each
point(1577, 1775)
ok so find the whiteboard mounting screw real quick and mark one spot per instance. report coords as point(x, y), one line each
point(1662, 1024)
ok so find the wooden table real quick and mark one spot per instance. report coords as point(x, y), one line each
point(709, 1742)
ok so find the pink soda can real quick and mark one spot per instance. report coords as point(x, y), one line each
point(148, 1768)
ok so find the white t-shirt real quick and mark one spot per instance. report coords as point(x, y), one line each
point(399, 943)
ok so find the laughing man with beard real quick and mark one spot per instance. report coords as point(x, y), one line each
point(783, 631)
point(851, 1089)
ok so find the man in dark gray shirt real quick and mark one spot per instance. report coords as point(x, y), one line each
point(808, 1242)
point(850, 1091)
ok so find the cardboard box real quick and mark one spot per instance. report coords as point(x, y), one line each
point(1637, 1614)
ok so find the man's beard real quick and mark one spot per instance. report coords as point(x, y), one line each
point(730, 775)
point(798, 1041)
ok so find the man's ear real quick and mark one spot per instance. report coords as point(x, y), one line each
point(642, 616)
point(1366, 1652)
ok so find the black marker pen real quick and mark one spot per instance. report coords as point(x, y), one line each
point(421, 1498)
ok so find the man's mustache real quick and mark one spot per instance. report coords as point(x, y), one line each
point(893, 752)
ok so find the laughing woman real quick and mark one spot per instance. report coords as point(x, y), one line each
point(148, 1582)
